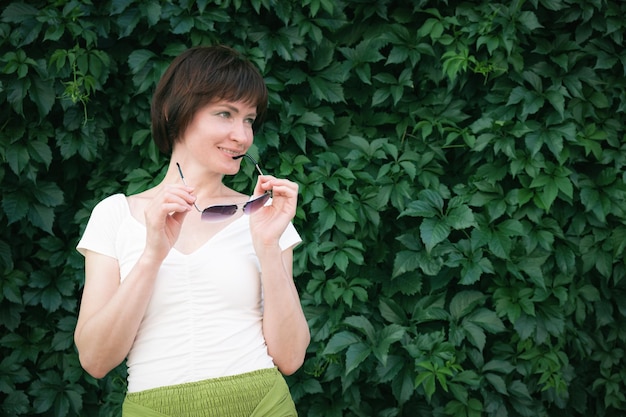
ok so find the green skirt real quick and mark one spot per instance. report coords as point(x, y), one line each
point(254, 394)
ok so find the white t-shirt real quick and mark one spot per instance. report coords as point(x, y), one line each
point(204, 319)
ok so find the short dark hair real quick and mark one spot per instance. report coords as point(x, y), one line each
point(197, 77)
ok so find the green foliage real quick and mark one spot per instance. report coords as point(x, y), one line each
point(462, 177)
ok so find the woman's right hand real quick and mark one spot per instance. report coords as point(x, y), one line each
point(164, 216)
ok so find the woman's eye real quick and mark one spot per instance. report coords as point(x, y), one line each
point(250, 120)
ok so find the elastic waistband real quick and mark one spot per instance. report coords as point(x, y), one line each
point(263, 391)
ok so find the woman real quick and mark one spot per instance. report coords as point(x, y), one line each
point(202, 306)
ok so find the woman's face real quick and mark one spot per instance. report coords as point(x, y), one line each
point(218, 132)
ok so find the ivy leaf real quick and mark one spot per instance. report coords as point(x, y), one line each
point(11, 289)
point(404, 261)
point(40, 151)
point(6, 258)
point(153, 13)
point(366, 51)
point(51, 299)
point(497, 365)
point(67, 143)
point(41, 217)
point(420, 208)
point(340, 341)
point(42, 94)
point(181, 24)
point(531, 265)
point(380, 96)
point(15, 206)
point(391, 369)
point(554, 141)
point(389, 335)
point(18, 12)
point(529, 20)
point(15, 403)
point(500, 244)
point(311, 119)
point(533, 102)
point(48, 193)
point(472, 270)
point(362, 324)
point(64, 336)
point(18, 158)
point(520, 390)
point(355, 355)
point(326, 90)
point(433, 231)
point(547, 194)
point(556, 97)
point(487, 320)
point(460, 218)
point(391, 311)
point(51, 393)
point(464, 302)
point(328, 218)
point(525, 326)
point(127, 21)
point(475, 334)
point(497, 382)
point(517, 95)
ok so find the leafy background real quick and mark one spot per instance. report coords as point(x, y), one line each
point(462, 174)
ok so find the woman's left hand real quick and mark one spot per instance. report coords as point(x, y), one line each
point(269, 223)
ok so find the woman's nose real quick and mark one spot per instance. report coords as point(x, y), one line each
point(241, 131)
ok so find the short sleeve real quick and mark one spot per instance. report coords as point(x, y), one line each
point(101, 231)
point(290, 237)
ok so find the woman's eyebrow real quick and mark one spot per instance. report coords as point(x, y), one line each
point(234, 109)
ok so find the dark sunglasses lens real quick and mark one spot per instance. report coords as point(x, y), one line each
point(218, 213)
point(254, 205)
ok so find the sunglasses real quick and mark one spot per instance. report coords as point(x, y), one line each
point(222, 212)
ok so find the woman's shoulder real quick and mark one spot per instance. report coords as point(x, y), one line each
point(111, 201)
point(117, 198)
point(113, 205)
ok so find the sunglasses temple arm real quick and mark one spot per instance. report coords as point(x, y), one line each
point(182, 177)
point(180, 171)
point(256, 164)
point(258, 169)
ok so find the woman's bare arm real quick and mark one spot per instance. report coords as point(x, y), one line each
point(111, 312)
point(284, 324)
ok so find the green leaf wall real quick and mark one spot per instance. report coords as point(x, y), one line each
point(462, 177)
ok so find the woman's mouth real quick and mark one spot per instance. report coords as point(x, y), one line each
point(231, 152)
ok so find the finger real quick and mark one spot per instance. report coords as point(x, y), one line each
point(179, 216)
point(284, 190)
point(267, 183)
point(171, 198)
point(175, 208)
point(171, 192)
point(262, 184)
point(159, 212)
